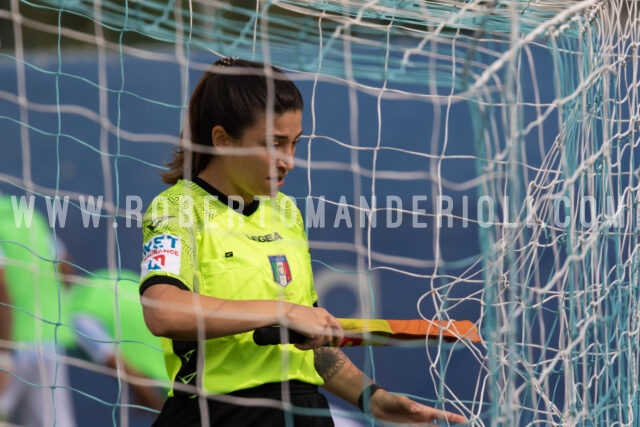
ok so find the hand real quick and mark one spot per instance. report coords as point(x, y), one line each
point(400, 409)
point(317, 324)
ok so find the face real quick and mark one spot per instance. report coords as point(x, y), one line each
point(260, 161)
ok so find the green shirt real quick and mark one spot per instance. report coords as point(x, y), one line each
point(113, 300)
point(36, 292)
point(192, 239)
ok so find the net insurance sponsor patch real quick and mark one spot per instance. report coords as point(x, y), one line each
point(161, 253)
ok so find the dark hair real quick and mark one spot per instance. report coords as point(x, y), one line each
point(231, 94)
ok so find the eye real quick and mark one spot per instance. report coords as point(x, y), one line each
point(274, 143)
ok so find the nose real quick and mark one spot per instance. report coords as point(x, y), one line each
point(284, 159)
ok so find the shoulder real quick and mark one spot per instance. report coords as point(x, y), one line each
point(182, 198)
point(179, 192)
point(21, 221)
point(177, 212)
point(21, 210)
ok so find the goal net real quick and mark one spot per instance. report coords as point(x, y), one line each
point(462, 159)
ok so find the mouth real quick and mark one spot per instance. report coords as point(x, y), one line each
point(279, 180)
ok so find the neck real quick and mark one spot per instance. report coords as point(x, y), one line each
point(215, 176)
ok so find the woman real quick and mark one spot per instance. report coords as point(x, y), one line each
point(225, 253)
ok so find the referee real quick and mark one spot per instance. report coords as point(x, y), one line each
point(224, 252)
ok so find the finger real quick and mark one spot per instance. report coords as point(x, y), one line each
point(438, 415)
point(303, 347)
point(309, 344)
point(337, 333)
point(456, 418)
point(448, 416)
point(329, 337)
point(317, 341)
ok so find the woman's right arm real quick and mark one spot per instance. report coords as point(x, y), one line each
point(179, 314)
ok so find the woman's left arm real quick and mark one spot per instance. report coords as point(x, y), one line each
point(343, 379)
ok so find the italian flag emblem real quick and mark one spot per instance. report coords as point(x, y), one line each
point(280, 269)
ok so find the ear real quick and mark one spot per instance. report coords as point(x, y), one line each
point(220, 137)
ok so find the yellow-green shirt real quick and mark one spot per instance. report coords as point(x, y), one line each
point(194, 240)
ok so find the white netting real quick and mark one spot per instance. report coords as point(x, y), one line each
point(497, 138)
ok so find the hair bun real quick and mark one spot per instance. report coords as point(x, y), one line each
point(228, 61)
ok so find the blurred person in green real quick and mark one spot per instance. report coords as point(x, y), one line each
point(6, 359)
point(107, 316)
point(38, 391)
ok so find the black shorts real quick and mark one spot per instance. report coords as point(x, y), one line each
point(185, 412)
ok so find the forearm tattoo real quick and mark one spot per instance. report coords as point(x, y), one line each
point(328, 361)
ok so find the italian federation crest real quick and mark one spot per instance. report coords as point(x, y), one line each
point(280, 269)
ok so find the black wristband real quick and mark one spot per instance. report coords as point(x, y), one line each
point(367, 392)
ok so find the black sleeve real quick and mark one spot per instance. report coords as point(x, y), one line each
point(167, 280)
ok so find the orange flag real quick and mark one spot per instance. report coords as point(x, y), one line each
point(390, 332)
point(383, 332)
